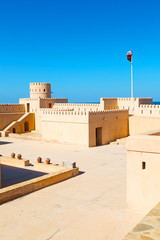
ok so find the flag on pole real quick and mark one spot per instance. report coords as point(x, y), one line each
point(129, 56)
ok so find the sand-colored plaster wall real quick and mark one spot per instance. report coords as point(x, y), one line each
point(12, 108)
point(141, 124)
point(148, 110)
point(77, 107)
point(114, 125)
point(108, 103)
point(33, 103)
point(49, 102)
point(143, 190)
point(128, 103)
point(76, 133)
point(71, 127)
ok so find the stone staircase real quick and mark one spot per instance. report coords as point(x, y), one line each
point(18, 124)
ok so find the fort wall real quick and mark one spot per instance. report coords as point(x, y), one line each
point(12, 108)
point(50, 102)
point(107, 126)
point(128, 103)
point(108, 103)
point(80, 127)
point(71, 127)
point(77, 107)
point(143, 164)
point(142, 124)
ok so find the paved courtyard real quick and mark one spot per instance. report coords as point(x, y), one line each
point(91, 206)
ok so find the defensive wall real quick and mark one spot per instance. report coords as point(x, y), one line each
point(12, 108)
point(107, 126)
point(146, 118)
point(143, 164)
point(84, 128)
point(77, 107)
point(143, 178)
point(65, 126)
point(34, 105)
point(108, 103)
point(132, 103)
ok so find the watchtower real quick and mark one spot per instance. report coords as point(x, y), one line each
point(40, 90)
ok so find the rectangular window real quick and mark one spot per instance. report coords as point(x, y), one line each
point(143, 165)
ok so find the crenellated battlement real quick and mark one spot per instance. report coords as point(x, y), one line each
point(47, 111)
point(149, 106)
point(11, 108)
point(39, 83)
point(127, 99)
point(78, 104)
point(148, 110)
point(108, 112)
point(10, 104)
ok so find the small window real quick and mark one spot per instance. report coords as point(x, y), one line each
point(142, 111)
point(44, 90)
point(150, 111)
point(143, 165)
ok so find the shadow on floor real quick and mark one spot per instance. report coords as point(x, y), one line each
point(13, 175)
point(3, 143)
point(81, 172)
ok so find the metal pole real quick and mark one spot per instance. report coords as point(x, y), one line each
point(131, 80)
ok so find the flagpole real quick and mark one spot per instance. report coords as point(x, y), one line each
point(132, 85)
point(131, 79)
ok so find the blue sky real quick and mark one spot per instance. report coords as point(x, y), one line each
point(80, 47)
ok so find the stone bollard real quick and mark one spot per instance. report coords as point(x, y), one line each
point(19, 156)
point(69, 164)
point(13, 155)
point(39, 159)
point(47, 160)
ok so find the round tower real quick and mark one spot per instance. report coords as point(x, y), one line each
point(40, 90)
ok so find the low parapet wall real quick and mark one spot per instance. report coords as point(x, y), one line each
point(132, 103)
point(12, 108)
point(148, 110)
point(143, 166)
point(64, 116)
point(77, 106)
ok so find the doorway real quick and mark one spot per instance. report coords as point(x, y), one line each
point(14, 130)
point(99, 136)
point(26, 126)
point(50, 105)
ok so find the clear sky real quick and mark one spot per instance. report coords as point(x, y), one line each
point(80, 47)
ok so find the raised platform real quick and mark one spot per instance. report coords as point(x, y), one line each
point(53, 174)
